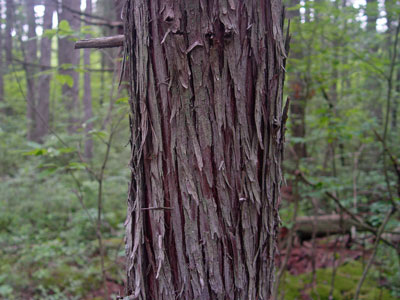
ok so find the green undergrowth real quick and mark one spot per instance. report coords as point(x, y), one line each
point(347, 276)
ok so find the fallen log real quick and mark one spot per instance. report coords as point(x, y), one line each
point(325, 225)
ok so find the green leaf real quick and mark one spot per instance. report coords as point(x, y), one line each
point(35, 152)
point(64, 28)
point(65, 79)
point(122, 100)
point(76, 166)
point(100, 134)
point(50, 33)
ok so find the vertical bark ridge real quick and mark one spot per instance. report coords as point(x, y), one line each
point(206, 101)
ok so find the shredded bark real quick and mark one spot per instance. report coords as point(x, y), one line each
point(207, 133)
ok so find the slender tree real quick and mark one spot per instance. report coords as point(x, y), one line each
point(207, 137)
point(372, 85)
point(1, 62)
point(297, 86)
point(42, 123)
point(390, 6)
point(87, 96)
point(9, 27)
point(372, 14)
point(30, 53)
point(68, 60)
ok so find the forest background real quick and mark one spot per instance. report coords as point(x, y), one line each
point(64, 152)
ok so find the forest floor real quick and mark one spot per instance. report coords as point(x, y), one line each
point(330, 268)
point(310, 258)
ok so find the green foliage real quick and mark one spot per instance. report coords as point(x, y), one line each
point(48, 241)
point(345, 284)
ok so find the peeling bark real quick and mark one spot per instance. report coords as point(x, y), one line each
point(207, 141)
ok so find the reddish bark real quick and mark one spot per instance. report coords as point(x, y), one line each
point(207, 137)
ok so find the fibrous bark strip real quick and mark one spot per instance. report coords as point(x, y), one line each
point(207, 136)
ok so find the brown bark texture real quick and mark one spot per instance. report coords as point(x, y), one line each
point(207, 137)
point(42, 123)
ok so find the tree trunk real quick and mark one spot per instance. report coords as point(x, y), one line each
point(44, 79)
point(207, 142)
point(68, 59)
point(372, 13)
point(298, 92)
point(9, 28)
point(396, 101)
point(390, 17)
point(87, 96)
point(30, 51)
point(1, 67)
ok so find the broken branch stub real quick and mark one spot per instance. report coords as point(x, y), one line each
point(103, 42)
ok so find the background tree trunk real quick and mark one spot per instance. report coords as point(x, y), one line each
point(68, 60)
point(9, 28)
point(372, 13)
point(30, 52)
point(87, 96)
point(1, 65)
point(44, 79)
point(206, 98)
point(298, 91)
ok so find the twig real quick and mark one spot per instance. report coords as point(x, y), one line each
point(156, 208)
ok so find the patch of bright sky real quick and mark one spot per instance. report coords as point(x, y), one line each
point(359, 4)
point(380, 22)
point(39, 12)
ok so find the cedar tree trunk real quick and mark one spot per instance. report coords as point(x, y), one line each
point(207, 137)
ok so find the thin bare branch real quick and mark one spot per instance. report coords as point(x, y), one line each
point(103, 42)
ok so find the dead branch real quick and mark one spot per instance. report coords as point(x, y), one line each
point(103, 42)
